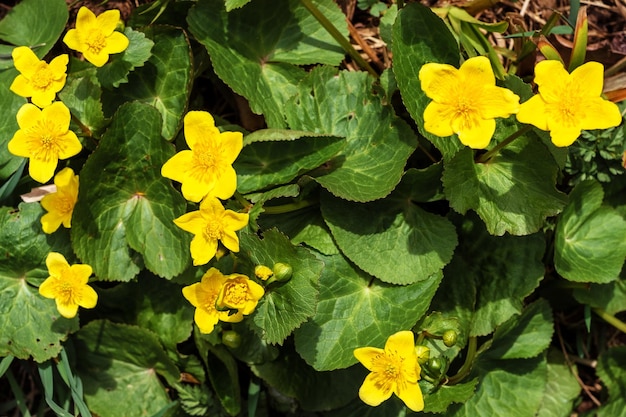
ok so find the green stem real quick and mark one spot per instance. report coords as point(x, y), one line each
point(86, 131)
point(467, 365)
point(493, 152)
point(334, 32)
point(242, 200)
point(287, 208)
point(611, 319)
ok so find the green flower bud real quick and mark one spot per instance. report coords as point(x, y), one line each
point(423, 354)
point(231, 339)
point(282, 271)
point(436, 366)
point(449, 338)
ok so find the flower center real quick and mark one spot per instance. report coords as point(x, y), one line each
point(465, 111)
point(64, 205)
point(387, 368)
point(236, 295)
point(43, 77)
point(44, 140)
point(213, 230)
point(67, 293)
point(96, 41)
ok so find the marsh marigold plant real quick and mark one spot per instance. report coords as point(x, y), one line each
point(67, 285)
point(38, 80)
point(44, 137)
point(465, 101)
point(393, 370)
point(569, 103)
point(60, 204)
point(95, 36)
point(206, 167)
point(239, 293)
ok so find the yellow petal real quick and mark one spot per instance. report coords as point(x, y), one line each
point(231, 318)
point(69, 145)
point(85, 19)
point(82, 272)
point(401, 342)
point(25, 60)
point(212, 207)
point(18, 145)
point(58, 66)
point(194, 189)
point(43, 98)
point(231, 144)
point(89, 297)
point(21, 86)
point(58, 112)
point(117, 42)
point(97, 59)
point(600, 114)
point(198, 126)
point(411, 395)
point(256, 290)
point(497, 102)
point(46, 289)
point(236, 221)
point(552, 80)
point(230, 240)
point(190, 293)
point(72, 40)
point(564, 136)
point(477, 71)
point(372, 393)
point(478, 135)
point(40, 170)
point(67, 310)
point(366, 355)
point(191, 222)
point(589, 77)
point(27, 115)
point(206, 321)
point(439, 81)
point(50, 222)
point(534, 112)
point(176, 167)
point(107, 21)
point(56, 263)
point(226, 186)
point(202, 250)
point(438, 119)
point(65, 178)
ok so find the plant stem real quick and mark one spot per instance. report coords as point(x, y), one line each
point(467, 365)
point(493, 152)
point(287, 208)
point(241, 200)
point(611, 319)
point(334, 32)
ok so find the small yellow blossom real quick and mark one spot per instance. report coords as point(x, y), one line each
point(568, 103)
point(37, 79)
point(206, 168)
point(68, 285)
point(263, 272)
point(466, 101)
point(393, 370)
point(203, 295)
point(241, 293)
point(210, 224)
point(95, 36)
point(44, 137)
point(60, 204)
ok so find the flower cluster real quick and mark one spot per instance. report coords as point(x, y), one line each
point(222, 297)
point(466, 101)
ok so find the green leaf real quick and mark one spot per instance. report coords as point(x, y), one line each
point(393, 407)
point(315, 391)
point(609, 297)
point(514, 192)
point(419, 37)
point(613, 375)
point(437, 324)
point(10, 103)
point(235, 4)
point(35, 23)
point(483, 287)
point(82, 95)
point(439, 400)
point(164, 81)
point(519, 384)
point(378, 142)
point(31, 324)
point(125, 210)
point(120, 367)
point(259, 200)
point(273, 157)
point(393, 239)
point(354, 310)
point(562, 388)
point(589, 239)
point(256, 57)
point(286, 306)
point(116, 71)
point(524, 336)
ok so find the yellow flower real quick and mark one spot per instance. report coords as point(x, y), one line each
point(95, 36)
point(37, 79)
point(240, 293)
point(263, 272)
point(568, 103)
point(466, 101)
point(68, 285)
point(393, 370)
point(210, 224)
point(44, 137)
point(203, 295)
point(206, 168)
point(60, 204)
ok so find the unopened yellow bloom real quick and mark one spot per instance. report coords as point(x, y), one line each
point(37, 79)
point(60, 204)
point(394, 370)
point(203, 295)
point(263, 272)
point(68, 285)
point(95, 36)
point(44, 137)
point(239, 293)
point(206, 168)
point(210, 224)
point(568, 103)
point(466, 101)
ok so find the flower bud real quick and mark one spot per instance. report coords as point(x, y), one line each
point(263, 272)
point(282, 271)
point(423, 354)
point(231, 339)
point(436, 365)
point(449, 338)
